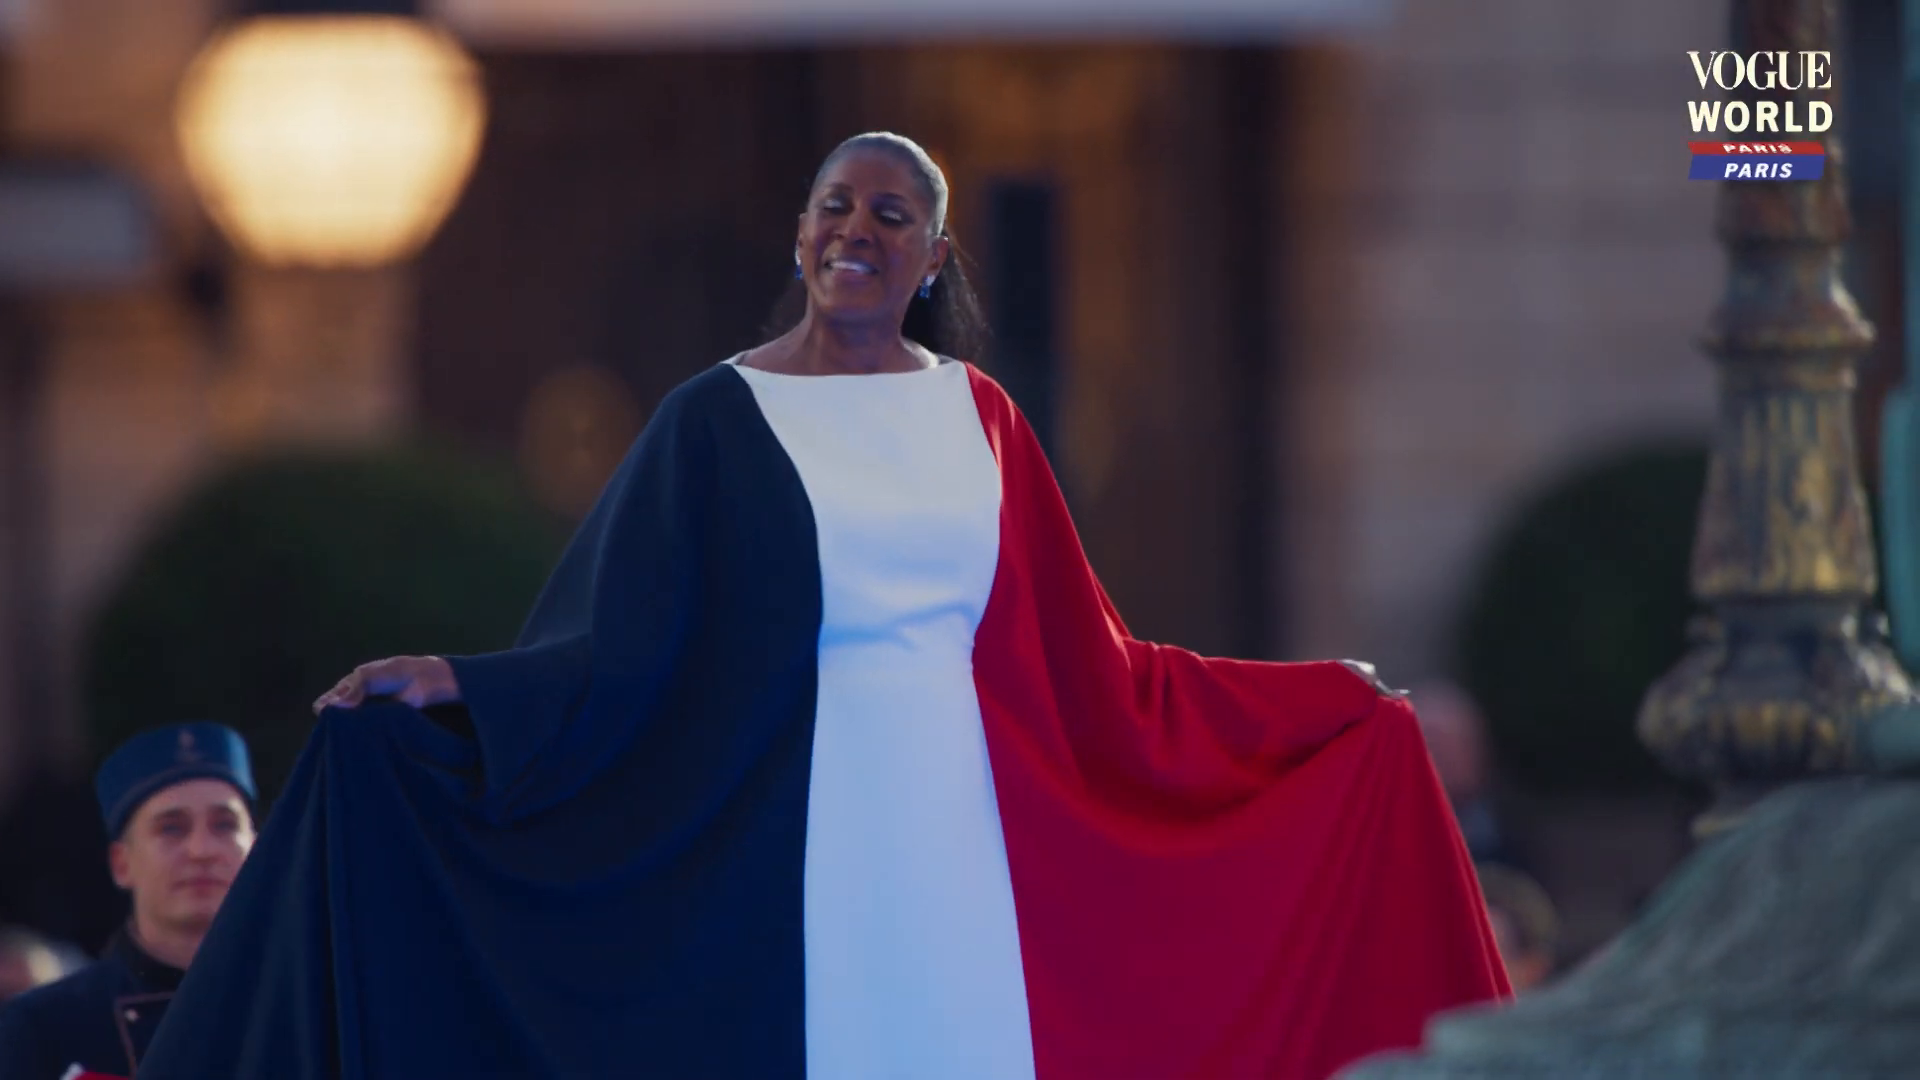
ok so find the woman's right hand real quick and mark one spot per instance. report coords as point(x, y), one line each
point(419, 681)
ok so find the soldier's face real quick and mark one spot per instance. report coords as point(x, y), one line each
point(181, 851)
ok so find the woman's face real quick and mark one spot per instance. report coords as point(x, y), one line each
point(866, 240)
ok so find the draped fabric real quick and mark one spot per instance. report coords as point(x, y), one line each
point(601, 865)
point(1223, 868)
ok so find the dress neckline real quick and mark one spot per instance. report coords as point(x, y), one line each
point(944, 363)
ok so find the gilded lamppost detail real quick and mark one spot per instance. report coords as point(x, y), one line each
point(1791, 669)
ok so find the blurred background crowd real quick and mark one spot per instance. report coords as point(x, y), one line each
point(1354, 328)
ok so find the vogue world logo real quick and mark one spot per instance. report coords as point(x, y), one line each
point(1752, 140)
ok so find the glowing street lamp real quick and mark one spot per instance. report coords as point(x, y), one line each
point(330, 135)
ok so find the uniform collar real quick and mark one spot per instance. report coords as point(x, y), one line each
point(151, 975)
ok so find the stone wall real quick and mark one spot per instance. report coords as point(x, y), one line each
point(1504, 271)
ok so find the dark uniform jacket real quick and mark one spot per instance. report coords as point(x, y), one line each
point(100, 1018)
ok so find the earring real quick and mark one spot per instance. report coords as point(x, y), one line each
point(798, 274)
point(926, 288)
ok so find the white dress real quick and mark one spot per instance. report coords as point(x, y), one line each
point(912, 948)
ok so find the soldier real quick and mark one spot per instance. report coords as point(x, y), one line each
point(178, 806)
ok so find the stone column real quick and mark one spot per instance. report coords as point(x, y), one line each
point(314, 356)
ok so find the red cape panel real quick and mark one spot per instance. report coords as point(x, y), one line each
point(1223, 869)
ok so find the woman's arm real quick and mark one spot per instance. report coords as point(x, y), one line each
point(607, 630)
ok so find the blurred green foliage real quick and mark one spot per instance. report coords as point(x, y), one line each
point(277, 576)
point(1581, 603)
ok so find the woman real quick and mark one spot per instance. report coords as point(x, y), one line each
point(824, 754)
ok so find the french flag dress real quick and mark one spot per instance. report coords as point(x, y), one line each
point(823, 754)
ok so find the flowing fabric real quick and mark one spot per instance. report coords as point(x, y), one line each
point(600, 867)
point(1223, 868)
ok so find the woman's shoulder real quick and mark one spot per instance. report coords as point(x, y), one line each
point(692, 417)
point(717, 387)
point(996, 404)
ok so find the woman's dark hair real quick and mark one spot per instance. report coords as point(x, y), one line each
point(948, 320)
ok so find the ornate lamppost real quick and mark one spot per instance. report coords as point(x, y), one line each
point(1786, 946)
point(328, 139)
point(1791, 675)
point(330, 134)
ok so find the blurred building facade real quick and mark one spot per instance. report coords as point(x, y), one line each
point(1318, 310)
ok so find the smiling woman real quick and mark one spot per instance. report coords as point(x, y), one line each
point(879, 207)
point(824, 753)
